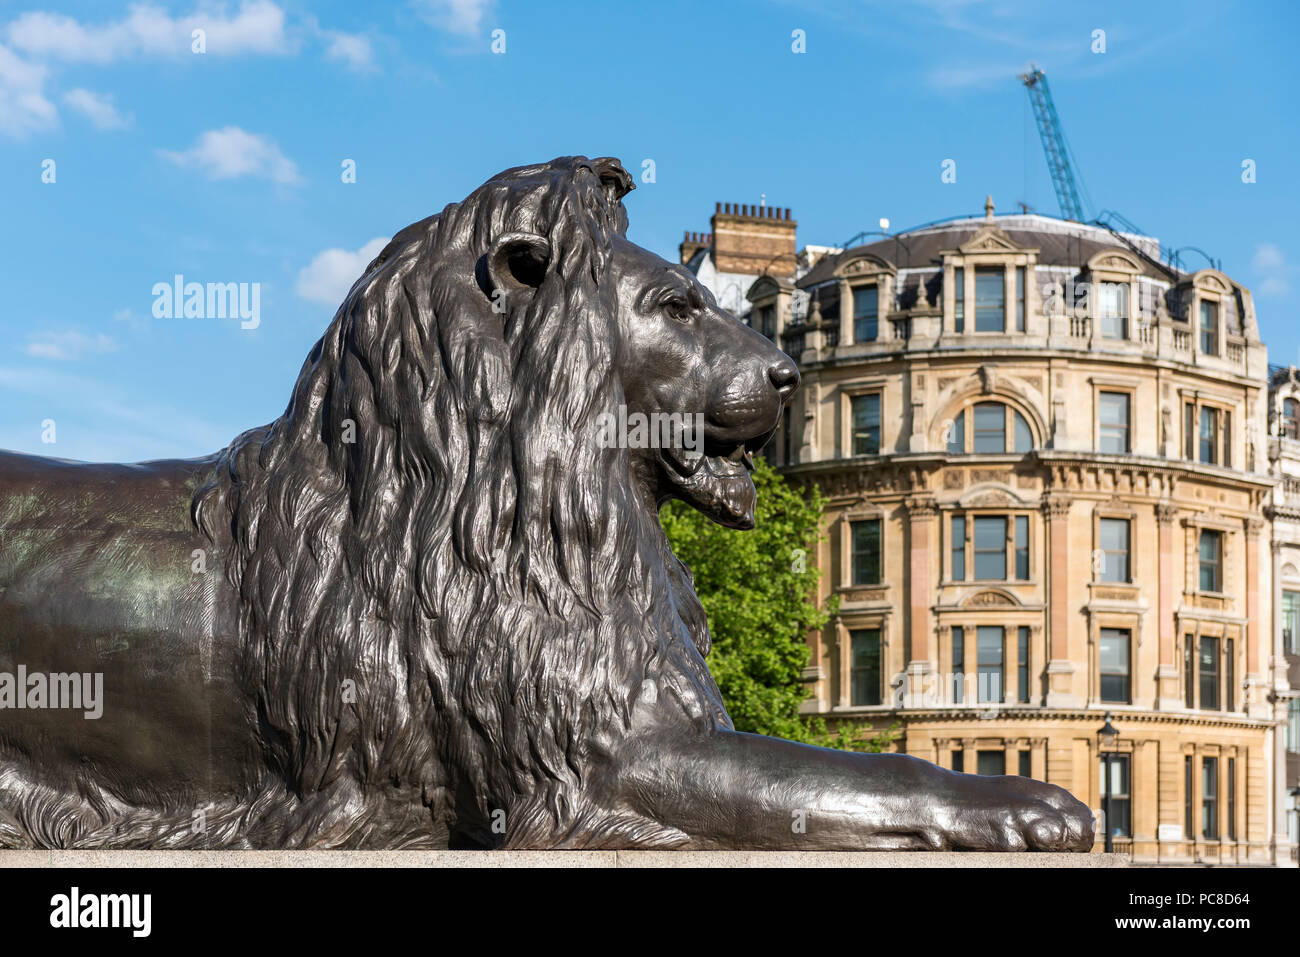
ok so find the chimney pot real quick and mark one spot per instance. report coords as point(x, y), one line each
point(717, 207)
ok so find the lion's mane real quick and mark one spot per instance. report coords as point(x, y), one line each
point(465, 601)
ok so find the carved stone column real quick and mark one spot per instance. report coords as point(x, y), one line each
point(1060, 669)
point(921, 513)
point(1167, 698)
point(1253, 527)
point(1281, 836)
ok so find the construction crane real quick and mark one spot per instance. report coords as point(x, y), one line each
point(1054, 145)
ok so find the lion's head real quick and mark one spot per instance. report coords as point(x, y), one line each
point(436, 519)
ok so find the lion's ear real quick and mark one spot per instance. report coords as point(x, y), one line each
point(517, 262)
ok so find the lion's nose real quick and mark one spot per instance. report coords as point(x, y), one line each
point(785, 377)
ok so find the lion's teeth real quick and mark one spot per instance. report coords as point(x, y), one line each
point(690, 460)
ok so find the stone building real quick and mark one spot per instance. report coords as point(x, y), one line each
point(1043, 452)
point(1284, 514)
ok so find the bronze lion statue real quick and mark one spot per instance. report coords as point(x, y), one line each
point(425, 607)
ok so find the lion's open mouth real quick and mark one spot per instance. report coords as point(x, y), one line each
point(716, 481)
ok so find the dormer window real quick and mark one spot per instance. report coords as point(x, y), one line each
point(1112, 308)
point(866, 314)
point(990, 300)
point(959, 299)
point(1020, 299)
point(1209, 327)
point(1290, 419)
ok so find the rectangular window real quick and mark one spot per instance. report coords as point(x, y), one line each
point(866, 424)
point(959, 299)
point(958, 664)
point(1226, 444)
point(957, 434)
point(990, 548)
point(958, 760)
point(1209, 673)
point(865, 676)
point(1229, 675)
point(1112, 307)
point(1020, 299)
point(1189, 674)
point(1232, 799)
point(1188, 820)
point(866, 314)
point(990, 432)
point(1113, 534)
point(1113, 657)
point(988, 653)
point(1121, 820)
point(785, 437)
point(1022, 548)
point(1211, 560)
point(959, 548)
point(866, 551)
point(990, 762)
point(767, 321)
point(1026, 765)
point(1209, 327)
point(1210, 798)
point(1022, 670)
point(1291, 622)
point(1293, 725)
point(1189, 432)
point(1208, 437)
point(990, 300)
point(1113, 423)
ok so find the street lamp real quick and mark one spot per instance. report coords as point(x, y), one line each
point(1106, 736)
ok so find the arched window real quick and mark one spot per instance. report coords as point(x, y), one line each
point(1290, 419)
point(989, 428)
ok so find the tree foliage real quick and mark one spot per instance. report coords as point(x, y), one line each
point(759, 590)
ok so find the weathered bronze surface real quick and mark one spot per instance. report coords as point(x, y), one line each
point(431, 605)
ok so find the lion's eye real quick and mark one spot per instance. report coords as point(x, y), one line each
point(678, 308)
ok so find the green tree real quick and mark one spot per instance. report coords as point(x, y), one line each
point(759, 591)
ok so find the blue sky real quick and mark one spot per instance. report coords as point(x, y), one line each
point(225, 166)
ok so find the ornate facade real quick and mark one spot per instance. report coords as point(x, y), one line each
point(1284, 514)
point(1045, 462)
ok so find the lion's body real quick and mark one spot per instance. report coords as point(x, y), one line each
point(426, 607)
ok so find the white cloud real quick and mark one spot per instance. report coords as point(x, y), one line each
point(1271, 263)
point(96, 107)
point(67, 346)
point(971, 77)
point(258, 27)
point(24, 108)
point(351, 49)
point(457, 16)
point(1268, 256)
point(230, 152)
point(330, 275)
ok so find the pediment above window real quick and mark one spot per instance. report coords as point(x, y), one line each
point(865, 265)
point(991, 598)
point(989, 239)
point(1114, 260)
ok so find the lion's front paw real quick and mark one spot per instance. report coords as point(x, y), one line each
point(1011, 814)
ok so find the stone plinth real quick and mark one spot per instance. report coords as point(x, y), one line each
point(765, 859)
